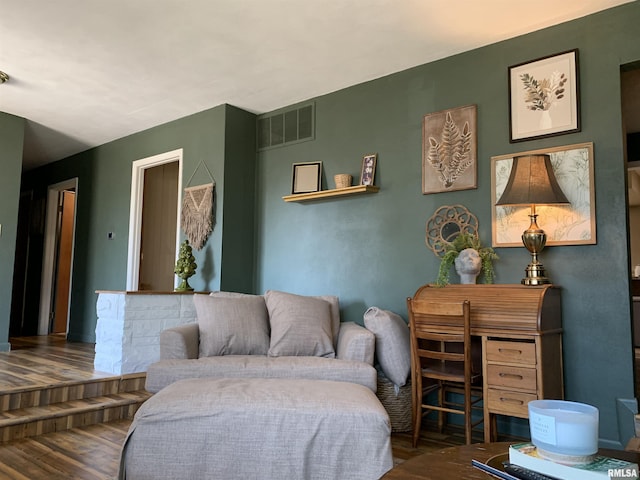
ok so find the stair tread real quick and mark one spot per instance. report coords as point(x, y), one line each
point(9, 389)
point(71, 407)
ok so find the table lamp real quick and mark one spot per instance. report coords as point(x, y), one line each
point(532, 182)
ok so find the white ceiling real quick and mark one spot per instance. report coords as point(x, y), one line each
point(85, 72)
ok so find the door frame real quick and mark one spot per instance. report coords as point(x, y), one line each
point(49, 253)
point(135, 210)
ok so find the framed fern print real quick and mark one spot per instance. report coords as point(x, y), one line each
point(544, 97)
point(449, 150)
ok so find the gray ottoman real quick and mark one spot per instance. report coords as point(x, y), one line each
point(241, 428)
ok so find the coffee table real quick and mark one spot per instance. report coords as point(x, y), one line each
point(455, 462)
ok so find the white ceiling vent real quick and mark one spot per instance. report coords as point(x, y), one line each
point(284, 128)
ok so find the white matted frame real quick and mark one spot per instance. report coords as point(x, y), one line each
point(544, 97)
point(573, 224)
point(306, 177)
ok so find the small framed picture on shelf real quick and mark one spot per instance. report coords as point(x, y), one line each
point(368, 173)
point(307, 177)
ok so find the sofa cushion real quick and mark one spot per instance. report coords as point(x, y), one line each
point(299, 325)
point(234, 325)
point(335, 315)
point(393, 343)
point(165, 372)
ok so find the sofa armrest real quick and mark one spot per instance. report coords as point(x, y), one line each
point(355, 343)
point(180, 342)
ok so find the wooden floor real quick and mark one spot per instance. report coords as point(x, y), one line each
point(93, 452)
point(46, 360)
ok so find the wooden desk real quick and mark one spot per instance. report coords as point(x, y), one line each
point(521, 332)
point(455, 462)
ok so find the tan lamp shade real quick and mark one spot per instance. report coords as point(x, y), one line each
point(532, 182)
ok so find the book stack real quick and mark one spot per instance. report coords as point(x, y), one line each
point(599, 468)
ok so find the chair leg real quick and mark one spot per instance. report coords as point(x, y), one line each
point(417, 410)
point(441, 401)
point(467, 414)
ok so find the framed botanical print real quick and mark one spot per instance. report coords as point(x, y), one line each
point(449, 150)
point(544, 97)
point(573, 224)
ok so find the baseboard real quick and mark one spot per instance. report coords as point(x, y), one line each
point(626, 409)
point(81, 338)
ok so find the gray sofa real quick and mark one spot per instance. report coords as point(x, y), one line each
point(275, 335)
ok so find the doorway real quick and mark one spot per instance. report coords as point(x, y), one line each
point(64, 252)
point(158, 234)
point(57, 271)
point(154, 230)
point(630, 88)
point(21, 306)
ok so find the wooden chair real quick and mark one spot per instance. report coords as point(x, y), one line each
point(442, 361)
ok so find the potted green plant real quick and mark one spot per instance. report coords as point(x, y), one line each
point(462, 242)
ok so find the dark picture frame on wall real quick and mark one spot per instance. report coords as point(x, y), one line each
point(544, 97)
point(306, 177)
point(368, 172)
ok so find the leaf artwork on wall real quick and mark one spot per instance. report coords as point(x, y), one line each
point(449, 150)
point(450, 157)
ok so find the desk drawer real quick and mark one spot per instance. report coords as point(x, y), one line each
point(511, 352)
point(512, 377)
point(505, 402)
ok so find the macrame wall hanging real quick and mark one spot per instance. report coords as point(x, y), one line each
point(196, 219)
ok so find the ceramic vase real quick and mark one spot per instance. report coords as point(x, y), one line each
point(545, 120)
point(468, 265)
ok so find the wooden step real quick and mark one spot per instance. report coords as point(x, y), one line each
point(26, 411)
point(42, 395)
point(31, 421)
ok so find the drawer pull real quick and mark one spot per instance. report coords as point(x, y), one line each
point(510, 351)
point(511, 400)
point(511, 375)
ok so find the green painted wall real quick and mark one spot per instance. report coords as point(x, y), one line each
point(103, 202)
point(370, 249)
point(238, 250)
point(11, 141)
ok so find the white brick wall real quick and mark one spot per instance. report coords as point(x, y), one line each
point(129, 326)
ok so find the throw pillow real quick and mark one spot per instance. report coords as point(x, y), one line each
point(224, 294)
point(335, 315)
point(393, 343)
point(233, 325)
point(300, 325)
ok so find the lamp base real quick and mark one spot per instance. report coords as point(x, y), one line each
point(534, 239)
point(535, 275)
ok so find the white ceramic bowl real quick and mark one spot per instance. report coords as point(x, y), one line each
point(562, 427)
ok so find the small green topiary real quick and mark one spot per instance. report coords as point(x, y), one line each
point(185, 266)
